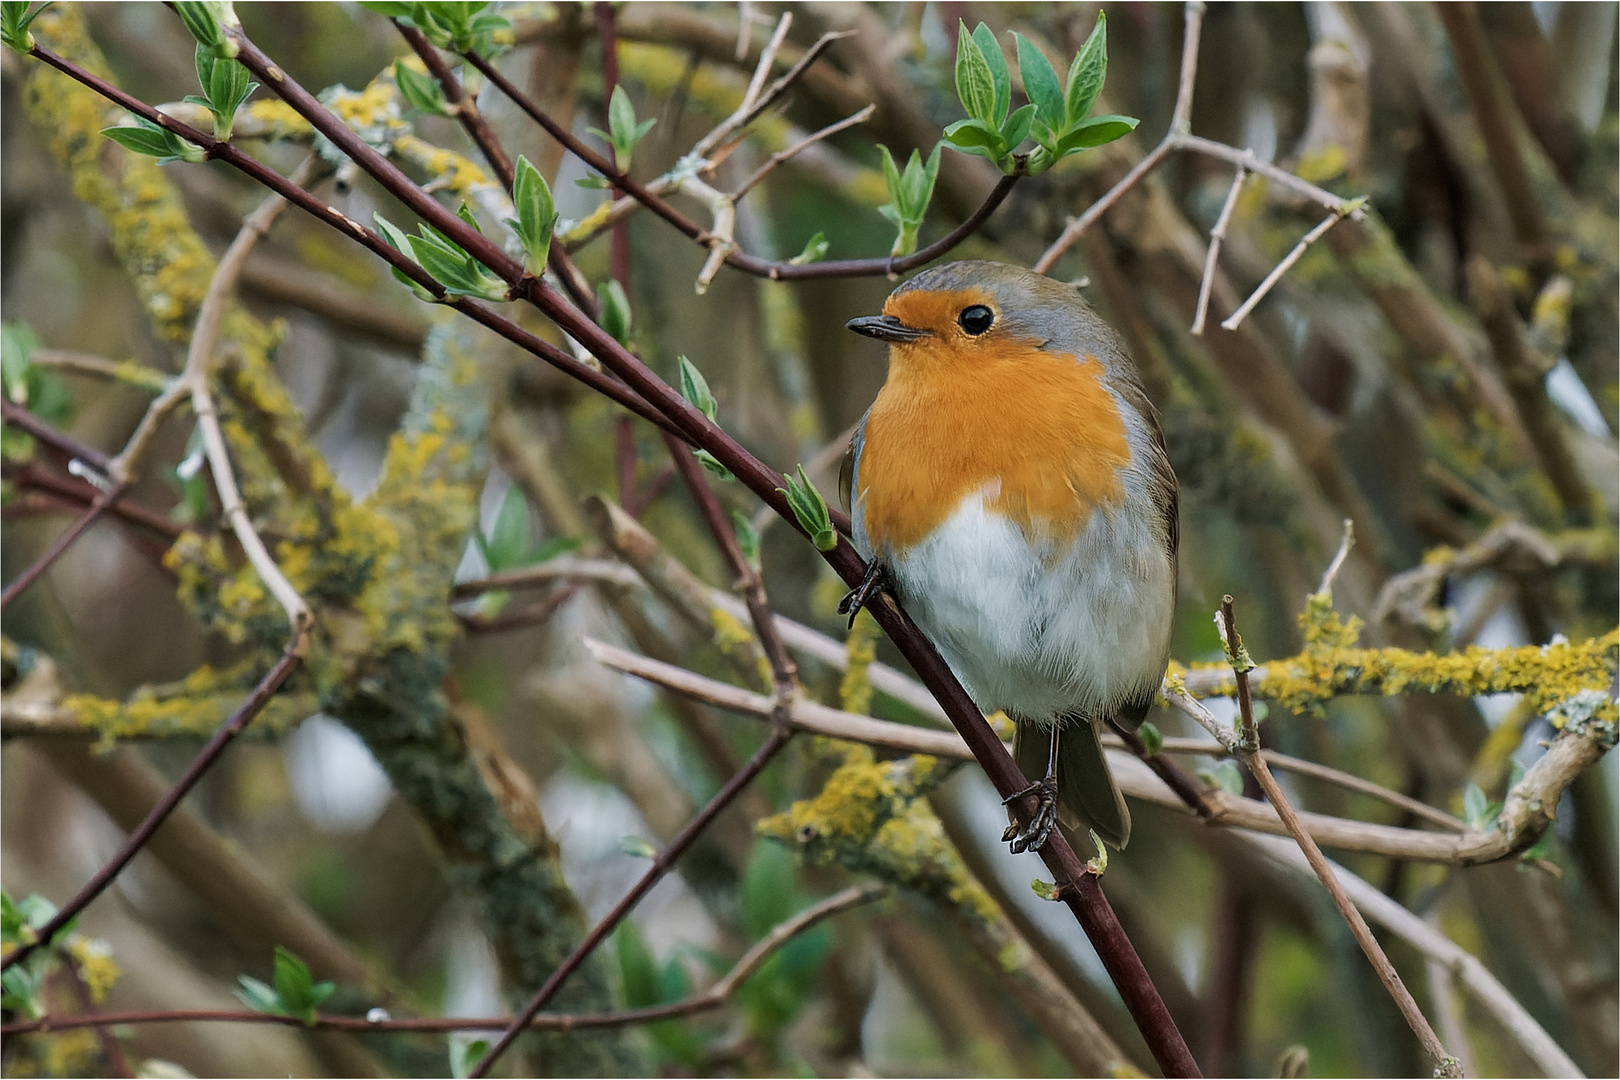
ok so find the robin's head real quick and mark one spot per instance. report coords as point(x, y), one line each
point(967, 311)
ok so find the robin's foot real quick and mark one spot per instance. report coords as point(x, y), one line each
point(877, 580)
point(1030, 837)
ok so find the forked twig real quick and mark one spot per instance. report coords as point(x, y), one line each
point(1446, 1065)
point(1217, 236)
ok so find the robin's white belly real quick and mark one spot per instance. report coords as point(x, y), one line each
point(1081, 626)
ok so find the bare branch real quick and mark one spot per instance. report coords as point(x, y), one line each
point(1217, 236)
point(1445, 1063)
point(1233, 321)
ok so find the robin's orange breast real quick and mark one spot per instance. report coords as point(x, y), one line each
point(1038, 428)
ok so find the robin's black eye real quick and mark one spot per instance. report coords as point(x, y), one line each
point(976, 319)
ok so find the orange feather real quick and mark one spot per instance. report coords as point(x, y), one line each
point(959, 413)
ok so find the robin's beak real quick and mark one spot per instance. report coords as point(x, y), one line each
point(885, 328)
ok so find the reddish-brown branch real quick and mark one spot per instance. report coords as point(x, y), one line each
point(73, 494)
point(784, 672)
point(661, 865)
point(461, 103)
point(64, 444)
point(482, 135)
point(62, 543)
point(228, 731)
point(109, 1042)
point(741, 260)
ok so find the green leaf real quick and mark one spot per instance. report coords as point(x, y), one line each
point(510, 538)
point(1095, 132)
point(695, 388)
point(810, 509)
point(17, 344)
point(465, 1054)
point(19, 991)
point(637, 848)
point(1224, 775)
point(456, 270)
point(918, 182)
point(1000, 78)
point(547, 550)
point(595, 183)
point(259, 996)
point(713, 465)
point(11, 923)
point(537, 215)
point(1041, 84)
point(394, 235)
point(465, 213)
point(421, 91)
point(976, 137)
point(1016, 129)
point(638, 970)
point(975, 83)
point(393, 9)
point(1152, 738)
point(747, 537)
point(227, 87)
point(815, 249)
point(1046, 890)
point(1475, 807)
point(202, 20)
point(623, 132)
point(153, 140)
point(15, 19)
point(296, 988)
point(615, 311)
point(1086, 74)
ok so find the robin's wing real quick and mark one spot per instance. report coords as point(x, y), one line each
point(846, 467)
point(1162, 486)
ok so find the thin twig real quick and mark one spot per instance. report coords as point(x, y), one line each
point(784, 672)
point(229, 730)
point(1179, 137)
point(750, 264)
point(103, 500)
point(110, 1049)
point(1445, 1063)
point(1514, 1019)
point(661, 865)
point(64, 444)
point(714, 997)
point(1217, 236)
point(1345, 544)
point(1233, 321)
point(461, 103)
point(791, 152)
point(129, 372)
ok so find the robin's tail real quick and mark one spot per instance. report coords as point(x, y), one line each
point(1087, 794)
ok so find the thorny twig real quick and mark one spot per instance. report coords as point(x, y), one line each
point(1445, 1063)
point(714, 997)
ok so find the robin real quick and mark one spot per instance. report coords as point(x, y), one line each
point(1009, 486)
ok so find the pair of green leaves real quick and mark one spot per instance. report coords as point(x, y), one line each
point(444, 259)
point(15, 19)
point(695, 388)
point(909, 194)
point(225, 87)
point(294, 991)
point(421, 91)
point(20, 922)
point(1056, 116)
point(462, 27)
point(624, 132)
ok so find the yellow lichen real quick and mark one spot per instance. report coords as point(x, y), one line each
point(860, 649)
point(94, 960)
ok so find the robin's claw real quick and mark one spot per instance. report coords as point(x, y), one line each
point(876, 580)
point(1032, 836)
